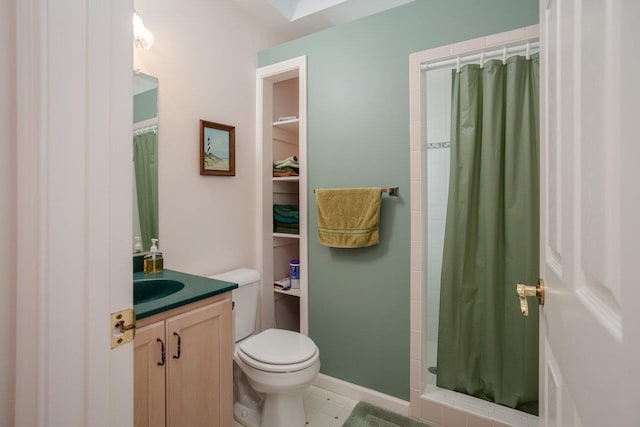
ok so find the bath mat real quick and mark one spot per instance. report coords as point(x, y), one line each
point(368, 415)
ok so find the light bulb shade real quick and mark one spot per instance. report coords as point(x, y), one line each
point(142, 38)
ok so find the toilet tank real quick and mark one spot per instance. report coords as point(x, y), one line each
point(245, 299)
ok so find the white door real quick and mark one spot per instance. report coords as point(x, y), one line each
point(73, 149)
point(590, 212)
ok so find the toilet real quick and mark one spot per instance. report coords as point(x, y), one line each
point(273, 368)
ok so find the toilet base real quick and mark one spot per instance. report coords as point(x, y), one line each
point(245, 415)
point(281, 410)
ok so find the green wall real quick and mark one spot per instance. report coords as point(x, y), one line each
point(145, 105)
point(358, 135)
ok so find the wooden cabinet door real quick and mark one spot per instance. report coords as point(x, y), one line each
point(149, 376)
point(200, 367)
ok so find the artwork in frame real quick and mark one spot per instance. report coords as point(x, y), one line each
point(217, 149)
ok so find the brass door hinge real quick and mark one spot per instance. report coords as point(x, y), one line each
point(123, 327)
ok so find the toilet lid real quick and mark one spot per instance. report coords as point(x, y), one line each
point(279, 347)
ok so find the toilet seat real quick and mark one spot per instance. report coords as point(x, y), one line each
point(277, 350)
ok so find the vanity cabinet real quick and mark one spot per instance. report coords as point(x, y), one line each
point(191, 383)
point(149, 376)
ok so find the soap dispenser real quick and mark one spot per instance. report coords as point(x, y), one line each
point(153, 263)
point(137, 247)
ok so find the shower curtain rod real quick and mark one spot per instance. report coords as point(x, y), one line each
point(145, 123)
point(147, 129)
point(483, 56)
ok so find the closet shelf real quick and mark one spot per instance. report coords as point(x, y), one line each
point(292, 292)
point(286, 178)
point(287, 235)
point(288, 125)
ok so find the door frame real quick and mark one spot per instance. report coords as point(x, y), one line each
point(265, 78)
point(74, 109)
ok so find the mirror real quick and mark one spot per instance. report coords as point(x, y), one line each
point(145, 161)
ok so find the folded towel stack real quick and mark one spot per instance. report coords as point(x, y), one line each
point(286, 219)
point(286, 167)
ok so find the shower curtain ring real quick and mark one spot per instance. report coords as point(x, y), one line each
point(504, 55)
point(528, 54)
point(458, 64)
point(482, 59)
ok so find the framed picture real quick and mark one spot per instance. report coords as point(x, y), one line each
point(217, 149)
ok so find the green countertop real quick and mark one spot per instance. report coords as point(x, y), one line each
point(195, 289)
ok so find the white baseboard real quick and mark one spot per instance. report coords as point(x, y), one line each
point(357, 392)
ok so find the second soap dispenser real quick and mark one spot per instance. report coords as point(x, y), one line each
point(153, 263)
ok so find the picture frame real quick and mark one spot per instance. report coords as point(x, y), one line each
point(217, 149)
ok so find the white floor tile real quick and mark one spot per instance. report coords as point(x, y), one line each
point(323, 419)
point(324, 408)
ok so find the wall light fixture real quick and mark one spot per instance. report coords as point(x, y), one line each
point(142, 38)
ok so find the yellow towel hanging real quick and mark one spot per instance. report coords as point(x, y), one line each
point(348, 217)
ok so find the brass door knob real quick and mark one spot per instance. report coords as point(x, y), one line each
point(525, 291)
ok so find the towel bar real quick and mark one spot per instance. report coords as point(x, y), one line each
point(393, 191)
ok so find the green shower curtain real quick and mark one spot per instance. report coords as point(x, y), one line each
point(145, 159)
point(486, 348)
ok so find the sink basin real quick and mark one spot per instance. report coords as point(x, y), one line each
point(152, 289)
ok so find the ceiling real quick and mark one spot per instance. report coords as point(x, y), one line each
point(297, 18)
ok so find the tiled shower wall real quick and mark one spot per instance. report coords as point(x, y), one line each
point(437, 153)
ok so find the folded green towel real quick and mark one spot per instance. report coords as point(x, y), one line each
point(348, 217)
point(286, 228)
point(285, 219)
point(289, 211)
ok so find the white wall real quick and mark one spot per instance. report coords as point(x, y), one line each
point(205, 57)
point(7, 211)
